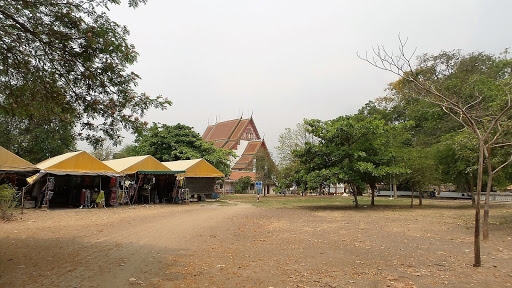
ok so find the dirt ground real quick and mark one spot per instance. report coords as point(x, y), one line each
point(238, 245)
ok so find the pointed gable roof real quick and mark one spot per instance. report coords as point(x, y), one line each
point(75, 163)
point(237, 133)
point(249, 153)
point(194, 168)
point(221, 130)
point(130, 165)
point(227, 134)
point(12, 162)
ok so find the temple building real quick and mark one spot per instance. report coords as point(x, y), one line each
point(241, 136)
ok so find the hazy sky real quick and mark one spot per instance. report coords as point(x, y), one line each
point(283, 61)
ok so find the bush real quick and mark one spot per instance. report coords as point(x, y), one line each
point(7, 201)
point(242, 185)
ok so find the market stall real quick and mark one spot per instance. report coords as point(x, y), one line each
point(199, 176)
point(144, 179)
point(75, 179)
point(13, 171)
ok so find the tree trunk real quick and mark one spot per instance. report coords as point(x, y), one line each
point(487, 195)
point(355, 197)
point(372, 187)
point(476, 240)
point(471, 188)
point(412, 197)
point(394, 189)
point(420, 195)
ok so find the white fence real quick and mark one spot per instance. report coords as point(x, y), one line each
point(495, 196)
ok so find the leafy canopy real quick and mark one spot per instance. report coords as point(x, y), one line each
point(64, 68)
point(180, 142)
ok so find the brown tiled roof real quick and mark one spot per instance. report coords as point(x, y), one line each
point(207, 132)
point(244, 159)
point(235, 175)
point(239, 167)
point(219, 144)
point(252, 147)
point(239, 129)
point(231, 145)
point(222, 130)
point(232, 130)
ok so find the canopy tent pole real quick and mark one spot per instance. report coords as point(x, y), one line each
point(22, 199)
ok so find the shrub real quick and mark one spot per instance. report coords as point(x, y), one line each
point(7, 201)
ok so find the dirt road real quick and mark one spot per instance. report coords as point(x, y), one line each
point(106, 247)
point(239, 245)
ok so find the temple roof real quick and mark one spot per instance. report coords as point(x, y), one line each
point(230, 132)
point(227, 135)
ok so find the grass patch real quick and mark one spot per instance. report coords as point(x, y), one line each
point(322, 202)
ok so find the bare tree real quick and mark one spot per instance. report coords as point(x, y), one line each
point(423, 80)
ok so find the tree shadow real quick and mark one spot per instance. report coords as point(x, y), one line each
point(73, 262)
point(390, 207)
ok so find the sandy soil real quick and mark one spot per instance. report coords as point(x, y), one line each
point(238, 245)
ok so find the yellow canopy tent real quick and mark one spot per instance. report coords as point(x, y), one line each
point(139, 164)
point(199, 174)
point(73, 163)
point(12, 162)
point(194, 168)
point(76, 163)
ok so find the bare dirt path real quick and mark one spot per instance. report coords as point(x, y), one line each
point(239, 245)
point(106, 247)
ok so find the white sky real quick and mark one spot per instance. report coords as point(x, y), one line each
point(285, 60)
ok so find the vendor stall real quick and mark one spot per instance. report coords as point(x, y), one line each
point(74, 179)
point(13, 171)
point(199, 176)
point(144, 179)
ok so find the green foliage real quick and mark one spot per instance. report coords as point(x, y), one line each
point(287, 174)
point(127, 151)
point(350, 149)
point(64, 66)
point(103, 152)
point(242, 185)
point(463, 91)
point(180, 142)
point(7, 201)
point(265, 167)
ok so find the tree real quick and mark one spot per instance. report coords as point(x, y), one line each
point(457, 156)
point(265, 168)
point(288, 170)
point(64, 66)
point(350, 149)
point(127, 151)
point(474, 89)
point(180, 142)
point(242, 185)
point(292, 139)
point(103, 152)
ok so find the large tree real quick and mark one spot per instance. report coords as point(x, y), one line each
point(288, 169)
point(475, 89)
point(350, 149)
point(180, 142)
point(64, 64)
point(266, 170)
